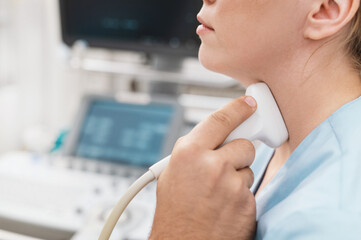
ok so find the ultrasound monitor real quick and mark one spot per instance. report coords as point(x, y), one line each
point(131, 134)
point(152, 26)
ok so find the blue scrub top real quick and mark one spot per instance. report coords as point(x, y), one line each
point(317, 192)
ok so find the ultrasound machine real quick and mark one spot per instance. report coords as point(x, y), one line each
point(110, 144)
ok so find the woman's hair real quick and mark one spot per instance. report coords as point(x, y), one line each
point(353, 40)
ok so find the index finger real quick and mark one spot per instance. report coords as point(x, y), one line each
point(211, 132)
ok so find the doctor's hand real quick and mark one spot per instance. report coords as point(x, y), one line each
point(204, 192)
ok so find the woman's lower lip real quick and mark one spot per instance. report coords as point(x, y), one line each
point(202, 29)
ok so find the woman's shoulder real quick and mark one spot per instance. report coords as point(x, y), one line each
point(345, 124)
point(312, 223)
point(320, 182)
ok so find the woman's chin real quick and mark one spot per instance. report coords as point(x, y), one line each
point(214, 64)
point(210, 62)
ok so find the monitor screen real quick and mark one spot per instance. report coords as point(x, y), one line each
point(154, 26)
point(124, 133)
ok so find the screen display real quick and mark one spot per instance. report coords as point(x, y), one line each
point(133, 23)
point(124, 133)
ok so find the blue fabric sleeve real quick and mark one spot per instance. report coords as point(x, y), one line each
point(316, 224)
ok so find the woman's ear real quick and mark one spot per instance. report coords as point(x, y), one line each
point(327, 17)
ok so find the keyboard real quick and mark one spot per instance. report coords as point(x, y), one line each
point(63, 199)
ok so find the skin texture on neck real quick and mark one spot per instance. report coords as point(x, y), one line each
point(309, 95)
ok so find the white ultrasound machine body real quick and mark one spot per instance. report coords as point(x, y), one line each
point(69, 195)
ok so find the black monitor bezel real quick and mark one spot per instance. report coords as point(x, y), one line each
point(157, 49)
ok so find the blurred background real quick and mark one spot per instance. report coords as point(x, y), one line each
point(91, 93)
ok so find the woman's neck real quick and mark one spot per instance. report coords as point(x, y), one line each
point(307, 99)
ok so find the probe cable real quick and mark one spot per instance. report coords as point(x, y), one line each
point(148, 177)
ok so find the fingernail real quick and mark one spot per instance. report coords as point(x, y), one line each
point(250, 101)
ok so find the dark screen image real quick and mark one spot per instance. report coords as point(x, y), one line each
point(144, 22)
point(125, 133)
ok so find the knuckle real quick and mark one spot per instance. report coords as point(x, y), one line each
point(213, 163)
point(184, 144)
point(247, 178)
point(221, 118)
point(179, 141)
point(185, 149)
point(219, 164)
point(249, 148)
point(215, 168)
point(251, 175)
